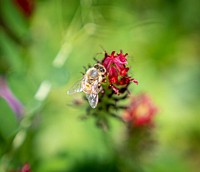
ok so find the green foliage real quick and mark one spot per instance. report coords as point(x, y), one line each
point(42, 56)
point(8, 121)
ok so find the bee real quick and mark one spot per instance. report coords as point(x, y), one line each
point(91, 84)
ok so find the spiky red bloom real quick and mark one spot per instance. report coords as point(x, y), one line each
point(117, 70)
point(141, 111)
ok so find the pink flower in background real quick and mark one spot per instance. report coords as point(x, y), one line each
point(117, 70)
point(9, 97)
point(141, 111)
point(25, 168)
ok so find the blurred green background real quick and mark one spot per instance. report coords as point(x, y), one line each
point(43, 49)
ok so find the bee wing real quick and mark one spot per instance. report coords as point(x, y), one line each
point(93, 99)
point(76, 88)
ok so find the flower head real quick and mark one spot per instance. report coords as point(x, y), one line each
point(112, 88)
point(141, 111)
point(117, 70)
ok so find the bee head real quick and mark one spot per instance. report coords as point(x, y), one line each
point(96, 66)
point(100, 68)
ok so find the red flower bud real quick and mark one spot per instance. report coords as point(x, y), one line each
point(141, 111)
point(134, 80)
point(115, 89)
point(113, 80)
point(124, 71)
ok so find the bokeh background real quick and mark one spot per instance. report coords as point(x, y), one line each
point(43, 46)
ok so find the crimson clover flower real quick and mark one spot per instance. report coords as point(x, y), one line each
point(112, 89)
point(141, 111)
point(115, 88)
point(117, 70)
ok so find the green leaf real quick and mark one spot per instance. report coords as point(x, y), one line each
point(10, 52)
point(15, 21)
point(23, 86)
point(8, 120)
